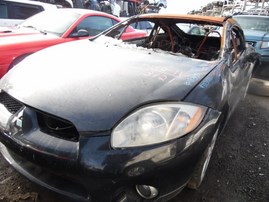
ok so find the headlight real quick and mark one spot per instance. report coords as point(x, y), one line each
point(157, 123)
point(265, 44)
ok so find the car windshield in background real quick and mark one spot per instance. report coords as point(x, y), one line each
point(197, 29)
point(253, 23)
point(43, 22)
point(192, 29)
point(143, 25)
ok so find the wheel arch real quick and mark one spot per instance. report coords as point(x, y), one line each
point(17, 60)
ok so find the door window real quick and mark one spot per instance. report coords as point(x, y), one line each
point(237, 43)
point(3, 10)
point(22, 11)
point(96, 24)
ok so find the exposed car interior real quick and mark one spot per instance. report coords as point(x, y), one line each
point(168, 36)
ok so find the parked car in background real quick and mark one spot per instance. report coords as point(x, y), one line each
point(197, 30)
point(53, 27)
point(14, 12)
point(135, 119)
point(192, 29)
point(145, 26)
point(256, 30)
point(158, 3)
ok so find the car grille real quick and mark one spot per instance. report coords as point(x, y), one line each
point(10, 103)
point(57, 127)
point(48, 124)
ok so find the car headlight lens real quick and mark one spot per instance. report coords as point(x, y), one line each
point(157, 123)
point(265, 44)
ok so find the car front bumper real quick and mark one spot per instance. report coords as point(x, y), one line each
point(90, 170)
point(264, 52)
point(264, 58)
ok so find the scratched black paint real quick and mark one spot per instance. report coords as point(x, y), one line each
point(94, 86)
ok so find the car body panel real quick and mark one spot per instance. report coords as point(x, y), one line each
point(6, 31)
point(23, 39)
point(198, 18)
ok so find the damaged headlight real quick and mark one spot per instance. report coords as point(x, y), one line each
point(157, 123)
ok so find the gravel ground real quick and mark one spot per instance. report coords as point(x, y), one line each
point(238, 170)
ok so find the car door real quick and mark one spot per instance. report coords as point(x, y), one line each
point(240, 71)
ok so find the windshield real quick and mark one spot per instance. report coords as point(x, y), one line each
point(204, 39)
point(253, 23)
point(51, 22)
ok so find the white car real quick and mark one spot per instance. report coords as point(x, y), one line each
point(13, 12)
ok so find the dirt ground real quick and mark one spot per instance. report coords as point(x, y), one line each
point(238, 171)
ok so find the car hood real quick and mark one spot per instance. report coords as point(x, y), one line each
point(13, 31)
point(253, 35)
point(95, 85)
point(15, 37)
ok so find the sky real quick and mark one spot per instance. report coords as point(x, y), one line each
point(184, 6)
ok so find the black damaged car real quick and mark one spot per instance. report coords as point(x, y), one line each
point(111, 120)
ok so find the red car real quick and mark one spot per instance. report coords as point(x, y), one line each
point(54, 27)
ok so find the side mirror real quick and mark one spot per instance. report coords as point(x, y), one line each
point(80, 33)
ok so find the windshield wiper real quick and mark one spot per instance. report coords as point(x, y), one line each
point(29, 26)
point(43, 31)
point(32, 27)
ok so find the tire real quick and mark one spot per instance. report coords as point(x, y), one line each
point(200, 170)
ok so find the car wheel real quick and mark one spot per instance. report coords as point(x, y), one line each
point(200, 170)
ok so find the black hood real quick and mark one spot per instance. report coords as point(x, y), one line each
point(94, 85)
